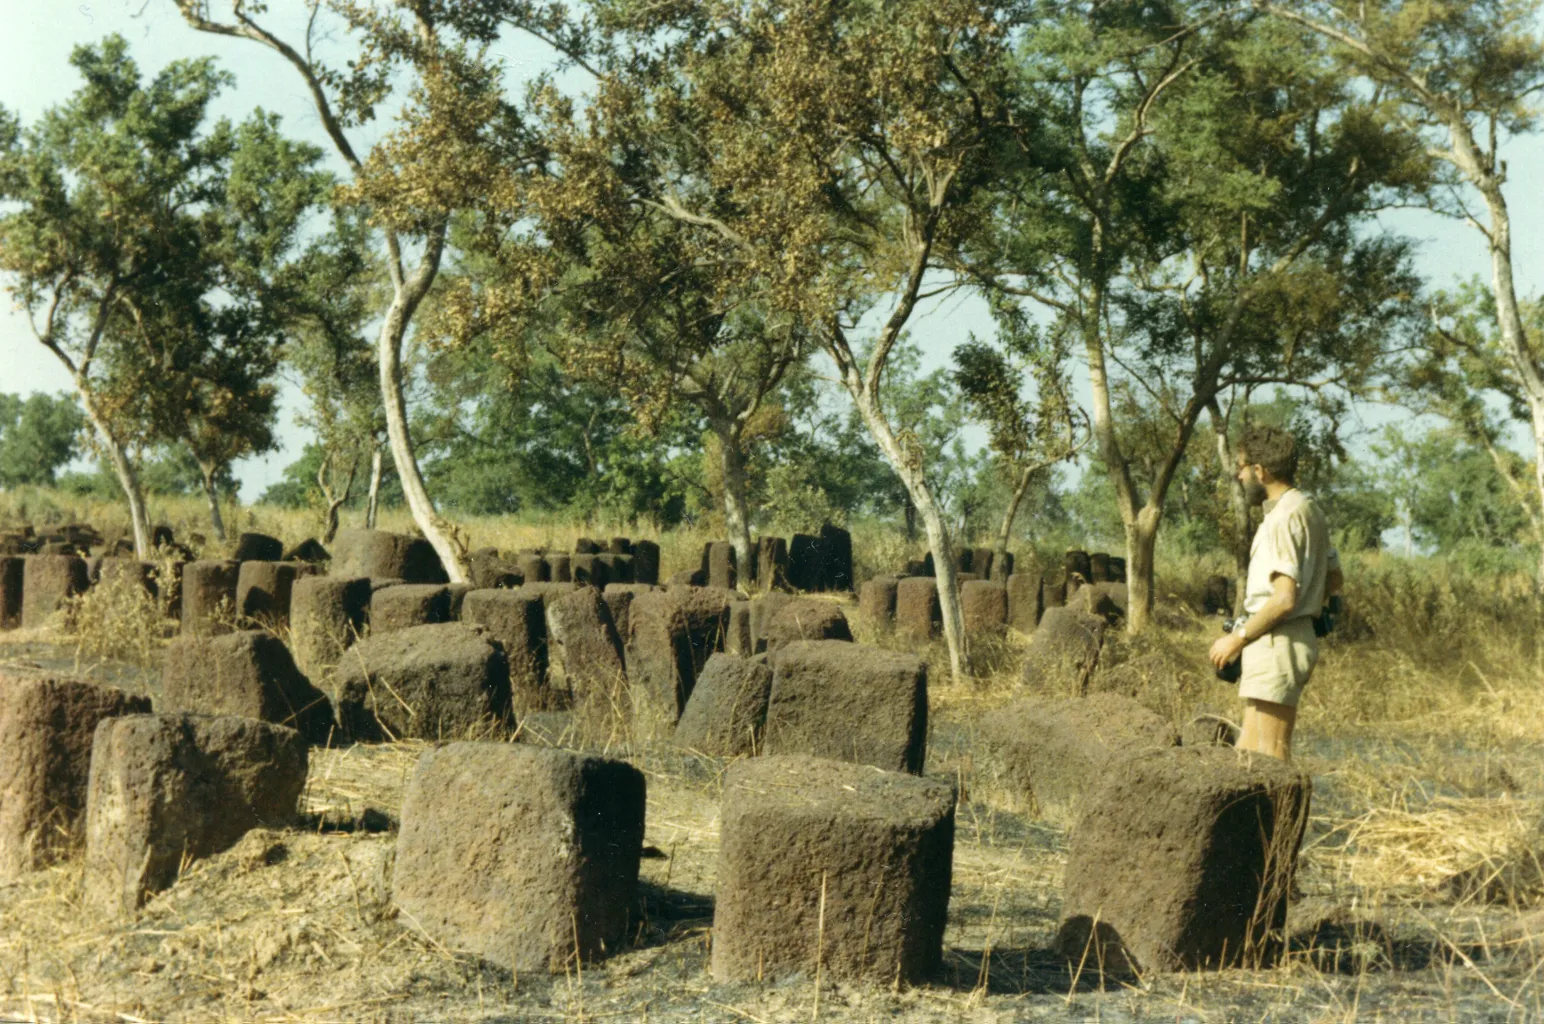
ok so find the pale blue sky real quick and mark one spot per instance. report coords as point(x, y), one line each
point(34, 74)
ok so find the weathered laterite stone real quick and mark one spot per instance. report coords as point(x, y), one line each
point(981, 562)
point(248, 673)
point(257, 547)
point(377, 553)
point(1077, 562)
point(1053, 594)
point(984, 606)
point(534, 569)
point(763, 610)
point(560, 567)
point(658, 652)
point(209, 596)
point(12, 570)
point(310, 551)
point(849, 702)
point(1183, 860)
point(48, 583)
point(619, 568)
point(1099, 567)
point(621, 546)
point(1117, 569)
point(866, 895)
point(772, 563)
point(727, 711)
point(592, 652)
point(835, 559)
point(645, 562)
point(408, 605)
point(1048, 755)
point(806, 562)
point(518, 621)
point(327, 614)
point(489, 570)
point(265, 590)
point(721, 565)
point(590, 571)
point(619, 599)
point(876, 602)
point(585, 546)
point(917, 613)
point(126, 572)
point(436, 682)
point(738, 639)
point(524, 856)
point(168, 789)
point(1065, 652)
point(805, 619)
point(1024, 607)
point(1002, 567)
point(46, 727)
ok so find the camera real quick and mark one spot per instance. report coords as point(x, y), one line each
point(1324, 622)
point(1230, 672)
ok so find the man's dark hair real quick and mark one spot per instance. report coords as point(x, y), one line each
point(1272, 448)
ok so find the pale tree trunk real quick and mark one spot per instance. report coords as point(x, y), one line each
point(945, 571)
point(1237, 502)
point(211, 492)
point(123, 469)
point(1005, 531)
point(1139, 562)
point(334, 500)
point(737, 523)
point(1141, 539)
point(436, 530)
point(408, 289)
point(377, 467)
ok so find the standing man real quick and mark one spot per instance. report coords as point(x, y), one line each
point(1291, 565)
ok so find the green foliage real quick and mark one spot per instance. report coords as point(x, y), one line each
point(39, 434)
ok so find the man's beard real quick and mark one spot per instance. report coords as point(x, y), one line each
point(1254, 493)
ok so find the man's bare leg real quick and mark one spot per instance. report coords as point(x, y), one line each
point(1267, 728)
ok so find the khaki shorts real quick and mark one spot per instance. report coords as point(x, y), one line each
point(1277, 666)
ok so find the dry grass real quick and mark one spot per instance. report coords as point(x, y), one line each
point(1419, 882)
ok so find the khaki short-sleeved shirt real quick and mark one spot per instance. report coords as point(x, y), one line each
point(1294, 540)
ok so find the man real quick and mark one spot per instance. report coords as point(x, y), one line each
point(1292, 569)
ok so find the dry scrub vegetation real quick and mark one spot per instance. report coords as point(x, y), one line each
point(1420, 877)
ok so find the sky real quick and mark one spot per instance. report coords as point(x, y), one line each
point(35, 74)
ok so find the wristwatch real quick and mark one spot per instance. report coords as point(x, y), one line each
point(1238, 630)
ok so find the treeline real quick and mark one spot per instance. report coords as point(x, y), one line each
point(680, 273)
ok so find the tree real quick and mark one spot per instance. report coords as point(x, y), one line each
point(1189, 188)
point(137, 244)
point(839, 149)
point(455, 128)
point(39, 434)
point(1029, 434)
point(1463, 74)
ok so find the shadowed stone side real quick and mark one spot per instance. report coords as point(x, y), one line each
point(1024, 607)
point(876, 602)
point(917, 614)
point(249, 673)
point(592, 652)
point(805, 619)
point(166, 789)
point(407, 605)
point(727, 711)
point(840, 861)
point(12, 570)
point(265, 590)
point(46, 728)
point(209, 596)
point(521, 855)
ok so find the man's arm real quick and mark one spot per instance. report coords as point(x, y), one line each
point(1282, 600)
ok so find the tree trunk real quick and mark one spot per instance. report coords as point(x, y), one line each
point(737, 523)
point(123, 469)
point(1005, 531)
point(945, 571)
point(212, 493)
point(1237, 502)
point(910, 515)
point(436, 530)
point(377, 467)
point(333, 500)
point(1141, 538)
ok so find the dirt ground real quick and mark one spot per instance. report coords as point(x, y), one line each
point(1417, 887)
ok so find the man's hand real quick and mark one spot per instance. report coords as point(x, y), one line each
point(1225, 649)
